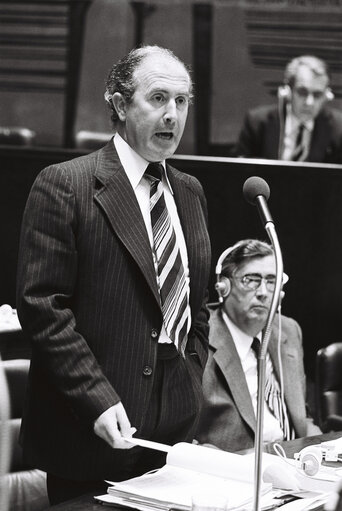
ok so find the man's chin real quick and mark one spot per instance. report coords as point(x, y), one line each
point(162, 152)
point(306, 117)
point(259, 314)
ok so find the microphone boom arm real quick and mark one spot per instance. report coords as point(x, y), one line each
point(269, 226)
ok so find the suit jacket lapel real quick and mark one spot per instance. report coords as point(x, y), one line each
point(274, 136)
point(273, 349)
point(321, 136)
point(117, 199)
point(292, 392)
point(271, 128)
point(191, 215)
point(227, 358)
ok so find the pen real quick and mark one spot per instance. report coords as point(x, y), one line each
point(280, 502)
point(274, 505)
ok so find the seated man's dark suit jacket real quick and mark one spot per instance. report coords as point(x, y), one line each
point(259, 136)
point(228, 419)
point(87, 297)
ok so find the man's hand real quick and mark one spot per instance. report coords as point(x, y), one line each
point(113, 425)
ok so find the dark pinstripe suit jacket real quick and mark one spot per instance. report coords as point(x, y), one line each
point(87, 296)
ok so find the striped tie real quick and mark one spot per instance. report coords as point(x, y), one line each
point(173, 287)
point(273, 395)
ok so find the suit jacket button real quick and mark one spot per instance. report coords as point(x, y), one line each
point(154, 333)
point(147, 371)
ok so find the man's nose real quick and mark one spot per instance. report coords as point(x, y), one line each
point(170, 111)
point(309, 99)
point(262, 289)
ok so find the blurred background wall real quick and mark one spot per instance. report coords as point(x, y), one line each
point(237, 48)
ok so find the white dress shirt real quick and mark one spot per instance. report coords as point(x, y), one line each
point(272, 431)
point(134, 166)
point(292, 124)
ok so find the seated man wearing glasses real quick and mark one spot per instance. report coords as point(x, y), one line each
point(245, 284)
point(301, 127)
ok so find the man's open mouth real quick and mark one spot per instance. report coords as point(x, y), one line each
point(165, 136)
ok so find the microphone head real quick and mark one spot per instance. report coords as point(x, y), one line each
point(254, 186)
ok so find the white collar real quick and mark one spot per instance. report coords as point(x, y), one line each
point(295, 122)
point(242, 341)
point(134, 164)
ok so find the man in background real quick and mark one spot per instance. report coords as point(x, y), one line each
point(301, 127)
point(245, 284)
point(113, 269)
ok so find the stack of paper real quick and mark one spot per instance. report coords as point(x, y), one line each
point(191, 468)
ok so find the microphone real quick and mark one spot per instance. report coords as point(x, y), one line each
point(256, 191)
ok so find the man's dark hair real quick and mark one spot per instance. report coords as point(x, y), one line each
point(120, 78)
point(245, 251)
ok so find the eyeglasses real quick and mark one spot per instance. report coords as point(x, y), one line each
point(252, 281)
point(302, 92)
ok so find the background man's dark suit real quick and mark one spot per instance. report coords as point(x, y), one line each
point(259, 137)
point(228, 419)
point(98, 334)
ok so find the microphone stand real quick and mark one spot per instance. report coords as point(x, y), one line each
point(269, 226)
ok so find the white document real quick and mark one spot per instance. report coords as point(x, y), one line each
point(334, 444)
point(189, 469)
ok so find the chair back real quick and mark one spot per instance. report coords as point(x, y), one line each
point(16, 136)
point(26, 485)
point(328, 384)
point(16, 372)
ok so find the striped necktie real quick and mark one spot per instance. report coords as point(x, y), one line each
point(173, 287)
point(299, 148)
point(273, 394)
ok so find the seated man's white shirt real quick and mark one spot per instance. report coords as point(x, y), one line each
point(272, 431)
point(292, 124)
point(134, 166)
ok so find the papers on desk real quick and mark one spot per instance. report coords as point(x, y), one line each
point(308, 503)
point(335, 445)
point(189, 469)
point(8, 318)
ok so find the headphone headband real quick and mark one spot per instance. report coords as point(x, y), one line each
point(223, 256)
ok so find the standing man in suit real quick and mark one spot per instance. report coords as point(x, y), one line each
point(113, 296)
point(301, 127)
point(245, 283)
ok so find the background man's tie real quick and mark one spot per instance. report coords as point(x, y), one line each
point(299, 148)
point(273, 394)
point(173, 287)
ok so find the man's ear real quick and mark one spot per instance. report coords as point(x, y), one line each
point(119, 104)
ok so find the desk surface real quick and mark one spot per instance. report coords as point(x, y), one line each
point(87, 503)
